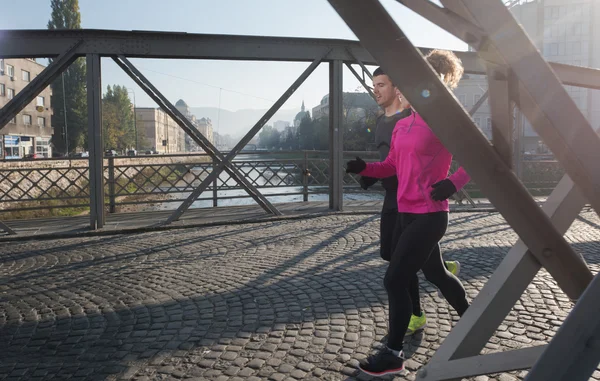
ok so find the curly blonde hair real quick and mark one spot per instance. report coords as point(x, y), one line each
point(446, 64)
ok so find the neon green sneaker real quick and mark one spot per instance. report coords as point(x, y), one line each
point(453, 267)
point(417, 323)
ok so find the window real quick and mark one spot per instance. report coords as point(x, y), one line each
point(10, 70)
point(13, 120)
point(562, 31)
point(11, 144)
point(476, 98)
point(42, 146)
point(463, 99)
point(10, 93)
point(25, 75)
point(489, 124)
point(562, 48)
point(2, 90)
point(40, 101)
point(547, 32)
point(577, 29)
point(41, 121)
point(554, 49)
point(478, 122)
point(26, 119)
point(563, 12)
point(1, 66)
point(576, 47)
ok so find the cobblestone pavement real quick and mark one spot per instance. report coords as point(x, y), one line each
point(284, 300)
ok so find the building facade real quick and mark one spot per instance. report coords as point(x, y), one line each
point(160, 132)
point(206, 128)
point(30, 131)
point(562, 31)
point(204, 125)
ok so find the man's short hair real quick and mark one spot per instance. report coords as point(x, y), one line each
point(379, 71)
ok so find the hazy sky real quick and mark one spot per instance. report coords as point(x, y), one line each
point(229, 84)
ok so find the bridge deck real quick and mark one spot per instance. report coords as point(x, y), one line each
point(289, 299)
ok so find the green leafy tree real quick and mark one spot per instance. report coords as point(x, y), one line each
point(117, 119)
point(65, 15)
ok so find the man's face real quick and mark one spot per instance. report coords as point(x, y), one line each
point(385, 92)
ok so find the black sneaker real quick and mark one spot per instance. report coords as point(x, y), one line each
point(382, 363)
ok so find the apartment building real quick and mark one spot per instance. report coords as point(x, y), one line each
point(30, 131)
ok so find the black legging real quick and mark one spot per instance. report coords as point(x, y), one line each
point(417, 248)
point(387, 227)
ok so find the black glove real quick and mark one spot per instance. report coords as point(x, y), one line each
point(365, 182)
point(356, 166)
point(442, 190)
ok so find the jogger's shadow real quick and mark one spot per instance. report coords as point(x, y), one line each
point(411, 343)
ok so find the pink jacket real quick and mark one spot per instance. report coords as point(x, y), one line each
point(419, 160)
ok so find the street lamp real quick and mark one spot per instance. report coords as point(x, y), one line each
point(134, 118)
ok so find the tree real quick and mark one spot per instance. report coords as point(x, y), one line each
point(269, 138)
point(289, 140)
point(306, 138)
point(321, 134)
point(65, 15)
point(117, 119)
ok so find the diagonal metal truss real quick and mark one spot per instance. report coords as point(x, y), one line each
point(6, 228)
point(195, 134)
point(516, 73)
point(39, 83)
point(242, 143)
point(66, 45)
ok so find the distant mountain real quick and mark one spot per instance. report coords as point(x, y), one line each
point(237, 123)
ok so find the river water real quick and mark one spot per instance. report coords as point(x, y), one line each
point(261, 172)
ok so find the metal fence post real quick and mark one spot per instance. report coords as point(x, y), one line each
point(111, 185)
point(305, 174)
point(215, 184)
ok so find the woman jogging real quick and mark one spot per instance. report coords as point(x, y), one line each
point(421, 163)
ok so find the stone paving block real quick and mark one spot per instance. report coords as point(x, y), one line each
point(297, 299)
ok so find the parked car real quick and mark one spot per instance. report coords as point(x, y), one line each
point(132, 152)
point(110, 152)
point(150, 152)
point(33, 156)
point(81, 154)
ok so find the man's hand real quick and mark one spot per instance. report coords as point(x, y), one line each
point(365, 182)
point(442, 190)
point(356, 166)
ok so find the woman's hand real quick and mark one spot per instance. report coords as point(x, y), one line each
point(442, 190)
point(356, 166)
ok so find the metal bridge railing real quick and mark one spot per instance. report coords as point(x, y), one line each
point(30, 185)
